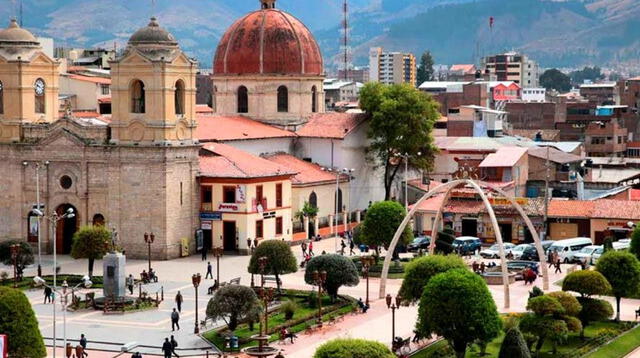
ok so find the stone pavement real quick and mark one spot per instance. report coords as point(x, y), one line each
point(150, 327)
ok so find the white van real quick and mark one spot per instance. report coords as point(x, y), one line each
point(568, 248)
point(616, 246)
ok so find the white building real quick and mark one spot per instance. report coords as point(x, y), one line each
point(391, 67)
point(534, 94)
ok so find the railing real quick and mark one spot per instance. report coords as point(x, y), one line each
point(298, 227)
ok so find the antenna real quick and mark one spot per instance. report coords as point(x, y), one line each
point(345, 39)
point(153, 8)
point(21, 13)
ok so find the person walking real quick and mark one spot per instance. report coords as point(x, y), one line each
point(249, 244)
point(255, 243)
point(204, 253)
point(130, 282)
point(311, 248)
point(551, 258)
point(179, 301)
point(303, 246)
point(175, 318)
point(136, 355)
point(352, 246)
point(83, 343)
point(167, 348)
point(209, 271)
point(47, 294)
point(174, 345)
point(558, 269)
point(342, 247)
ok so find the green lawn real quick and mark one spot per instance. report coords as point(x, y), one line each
point(620, 347)
point(72, 280)
point(572, 345)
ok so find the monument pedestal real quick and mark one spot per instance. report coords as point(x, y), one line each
point(114, 276)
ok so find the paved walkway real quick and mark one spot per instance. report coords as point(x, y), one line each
point(149, 328)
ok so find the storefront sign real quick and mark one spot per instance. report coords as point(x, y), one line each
point(216, 215)
point(623, 224)
point(506, 202)
point(241, 196)
point(3, 346)
point(228, 207)
point(205, 225)
point(269, 215)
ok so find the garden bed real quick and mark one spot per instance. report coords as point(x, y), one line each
point(305, 315)
point(27, 282)
point(396, 268)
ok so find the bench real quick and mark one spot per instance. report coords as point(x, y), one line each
point(235, 281)
point(278, 281)
point(127, 347)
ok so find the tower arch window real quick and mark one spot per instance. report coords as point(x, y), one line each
point(179, 97)
point(39, 88)
point(283, 99)
point(136, 92)
point(1, 98)
point(243, 100)
point(314, 99)
point(313, 200)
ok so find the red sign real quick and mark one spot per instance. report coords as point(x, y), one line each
point(4, 348)
point(228, 207)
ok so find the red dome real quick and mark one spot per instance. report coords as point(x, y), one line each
point(268, 41)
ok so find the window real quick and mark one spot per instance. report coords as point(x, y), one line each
point(259, 229)
point(259, 195)
point(279, 225)
point(283, 99)
point(314, 99)
point(279, 195)
point(39, 88)
point(229, 194)
point(32, 227)
point(207, 194)
point(597, 140)
point(339, 202)
point(66, 182)
point(620, 139)
point(1, 98)
point(179, 97)
point(137, 97)
point(243, 100)
point(98, 220)
point(104, 89)
point(313, 200)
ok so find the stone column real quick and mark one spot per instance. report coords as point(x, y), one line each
point(331, 223)
point(316, 226)
point(344, 221)
point(358, 216)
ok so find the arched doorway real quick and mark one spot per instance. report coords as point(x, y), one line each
point(65, 229)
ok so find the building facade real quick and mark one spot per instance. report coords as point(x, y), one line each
point(392, 67)
point(512, 66)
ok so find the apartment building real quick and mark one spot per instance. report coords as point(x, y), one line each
point(512, 66)
point(392, 67)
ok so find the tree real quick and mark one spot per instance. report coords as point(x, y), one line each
point(513, 345)
point(458, 306)
point(622, 270)
point(554, 79)
point(418, 272)
point(588, 283)
point(592, 74)
point(425, 70)
point(91, 242)
point(635, 242)
point(382, 220)
point(551, 318)
point(341, 271)
point(307, 210)
point(19, 323)
point(353, 348)
point(280, 259)
point(401, 123)
point(24, 258)
point(234, 304)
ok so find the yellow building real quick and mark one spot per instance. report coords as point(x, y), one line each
point(243, 198)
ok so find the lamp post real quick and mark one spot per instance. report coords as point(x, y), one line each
point(15, 249)
point(64, 293)
point(267, 295)
point(149, 238)
point(334, 230)
point(393, 306)
point(218, 252)
point(367, 262)
point(406, 157)
point(320, 278)
point(38, 166)
point(195, 279)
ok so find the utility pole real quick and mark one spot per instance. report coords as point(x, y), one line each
point(546, 195)
point(345, 39)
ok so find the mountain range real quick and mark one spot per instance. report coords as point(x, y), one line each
point(556, 33)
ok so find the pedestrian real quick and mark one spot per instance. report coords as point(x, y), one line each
point(279, 355)
point(304, 248)
point(209, 271)
point(311, 248)
point(130, 283)
point(175, 317)
point(255, 243)
point(475, 267)
point(47, 294)
point(552, 258)
point(83, 343)
point(179, 301)
point(167, 348)
point(136, 355)
point(248, 243)
point(204, 253)
point(558, 269)
point(342, 247)
point(174, 345)
point(352, 245)
point(482, 267)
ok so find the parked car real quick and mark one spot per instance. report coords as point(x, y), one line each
point(517, 251)
point(586, 253)
point(531, 254)
point(567, 248)
point(418, 243)
point(466, 244)
point(493, 252)
point(616, 246)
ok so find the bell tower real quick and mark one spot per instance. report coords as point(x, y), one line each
point(153, 90)
point(28, 83)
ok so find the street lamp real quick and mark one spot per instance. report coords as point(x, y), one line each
point(335, 218)
point(149, 238)
point(195, 279)
point(218, 252)
point(406, 157)
point(15, 249)
point(267, 295)
point(367, 262)
point(86, 283)
point(320, 278)
point(53, 219)
point(393, 306)
point(38, 166)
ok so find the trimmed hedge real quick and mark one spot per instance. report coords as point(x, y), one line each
point(19, 323)
point(353, 348)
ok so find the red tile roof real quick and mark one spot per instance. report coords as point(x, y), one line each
point(634, 194)
point(104, 99)
point(417, 183)
point(504, 157)
point(226, 128)
point(331, 125)
point(465, 68)
point(308, 173)
point(571, 208)
point(98, 80)
point(432, 204)
point(219, 160)
point(555, 155)
point(617, 209)
point(82, 114)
